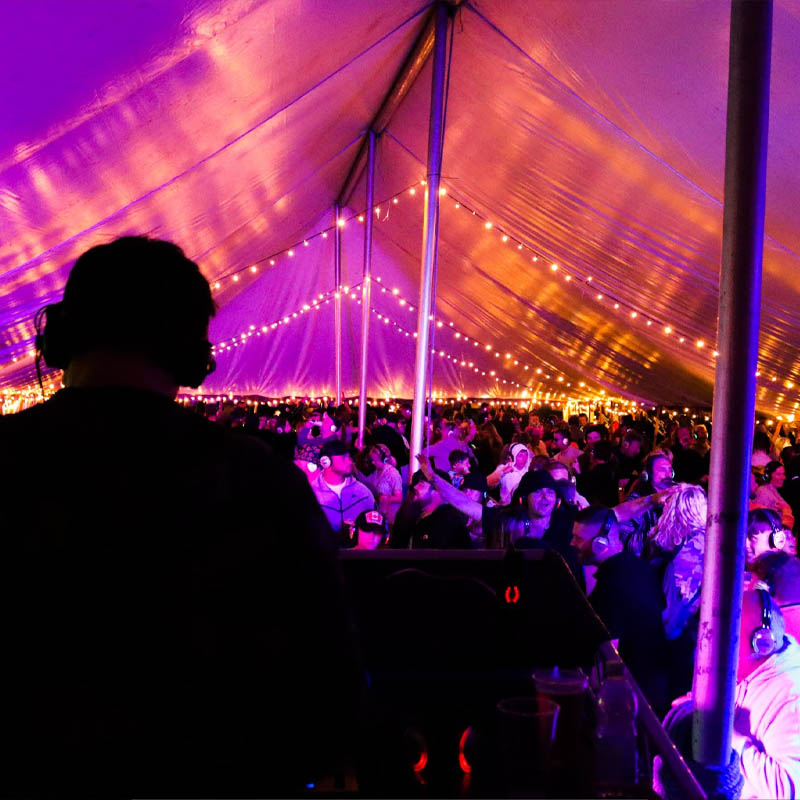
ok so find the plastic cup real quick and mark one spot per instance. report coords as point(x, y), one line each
point(527, 728)
point(567, 688)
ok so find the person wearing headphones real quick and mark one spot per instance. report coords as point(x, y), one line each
point(166, 585)
point(642, 507)
point(340, 495)
point(766, 720)
point(627, 596)
point(768, 493)
point(384, 480)
point(765, 534)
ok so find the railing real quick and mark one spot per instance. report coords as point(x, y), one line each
point(649, 723)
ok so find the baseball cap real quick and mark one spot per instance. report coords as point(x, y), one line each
point(371, 521)
point(534, 481)
point(334, 447)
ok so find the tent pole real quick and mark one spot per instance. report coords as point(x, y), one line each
point(430, 228)
point(366, 288)
point(337, 302)
point(734, 394)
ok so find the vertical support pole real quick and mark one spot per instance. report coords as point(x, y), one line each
point(734, 394)
point(366, 287)
point(430, 229)
point(337, 302)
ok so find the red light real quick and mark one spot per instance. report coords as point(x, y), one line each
point(466, 767)
point(421, 762)
point(512, 594)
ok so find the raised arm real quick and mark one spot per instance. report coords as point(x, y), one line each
point(449, 493)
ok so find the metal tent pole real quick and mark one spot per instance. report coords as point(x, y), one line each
point(734, 393)
point(337, 301)
point(366, 287)
point(430, 229)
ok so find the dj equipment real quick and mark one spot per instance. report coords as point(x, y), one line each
point(763, 640)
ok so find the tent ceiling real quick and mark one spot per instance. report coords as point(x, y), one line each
point(590, 133)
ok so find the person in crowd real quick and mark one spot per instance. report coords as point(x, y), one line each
point(636, 514)
point(439, 525)
point(592, 434)
point(687, 464)
point(629, 457)
point(765, 533)
point(701, 443)
point(487, 446)
point(781, 438)
point(628, 597)
point(341, 497)
point(384, 480)
point(519, 458)
point(391, 435)
point(769, 492)
point(145, 609)
point(766, 721)
point(370, 530)
point(476, 488)
point(679, 536)
point(459, 467)
point(780, 572)
point(565, 485)
point(599, 482)
point(536, 493)
point(317, 429)
point(565, 450)
point(762, 451)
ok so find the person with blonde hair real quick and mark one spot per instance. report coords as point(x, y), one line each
point(680, 537)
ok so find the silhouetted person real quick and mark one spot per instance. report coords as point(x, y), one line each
point(172, 620)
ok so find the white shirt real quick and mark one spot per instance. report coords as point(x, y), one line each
point(338, 488)
point(767, 715)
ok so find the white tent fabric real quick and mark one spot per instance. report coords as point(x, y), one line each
point(589, 134)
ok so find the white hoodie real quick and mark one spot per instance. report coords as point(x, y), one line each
point(767, 726)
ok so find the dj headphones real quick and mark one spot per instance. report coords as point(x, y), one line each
point(763, 641)
point(57, 338)
point(600, 542)
point(324, 461)
point(647, 472)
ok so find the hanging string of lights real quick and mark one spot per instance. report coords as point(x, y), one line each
point(590, 287)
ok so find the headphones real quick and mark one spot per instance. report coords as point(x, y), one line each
point(386, 455)
point(769, 471)
point(777, 535)
point(600, 542)
point(189, 362)
point(324, 461)
point(763, 640)
point(647, 473)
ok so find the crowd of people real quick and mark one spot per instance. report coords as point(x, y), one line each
point(621, 498)
point(170, 581)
